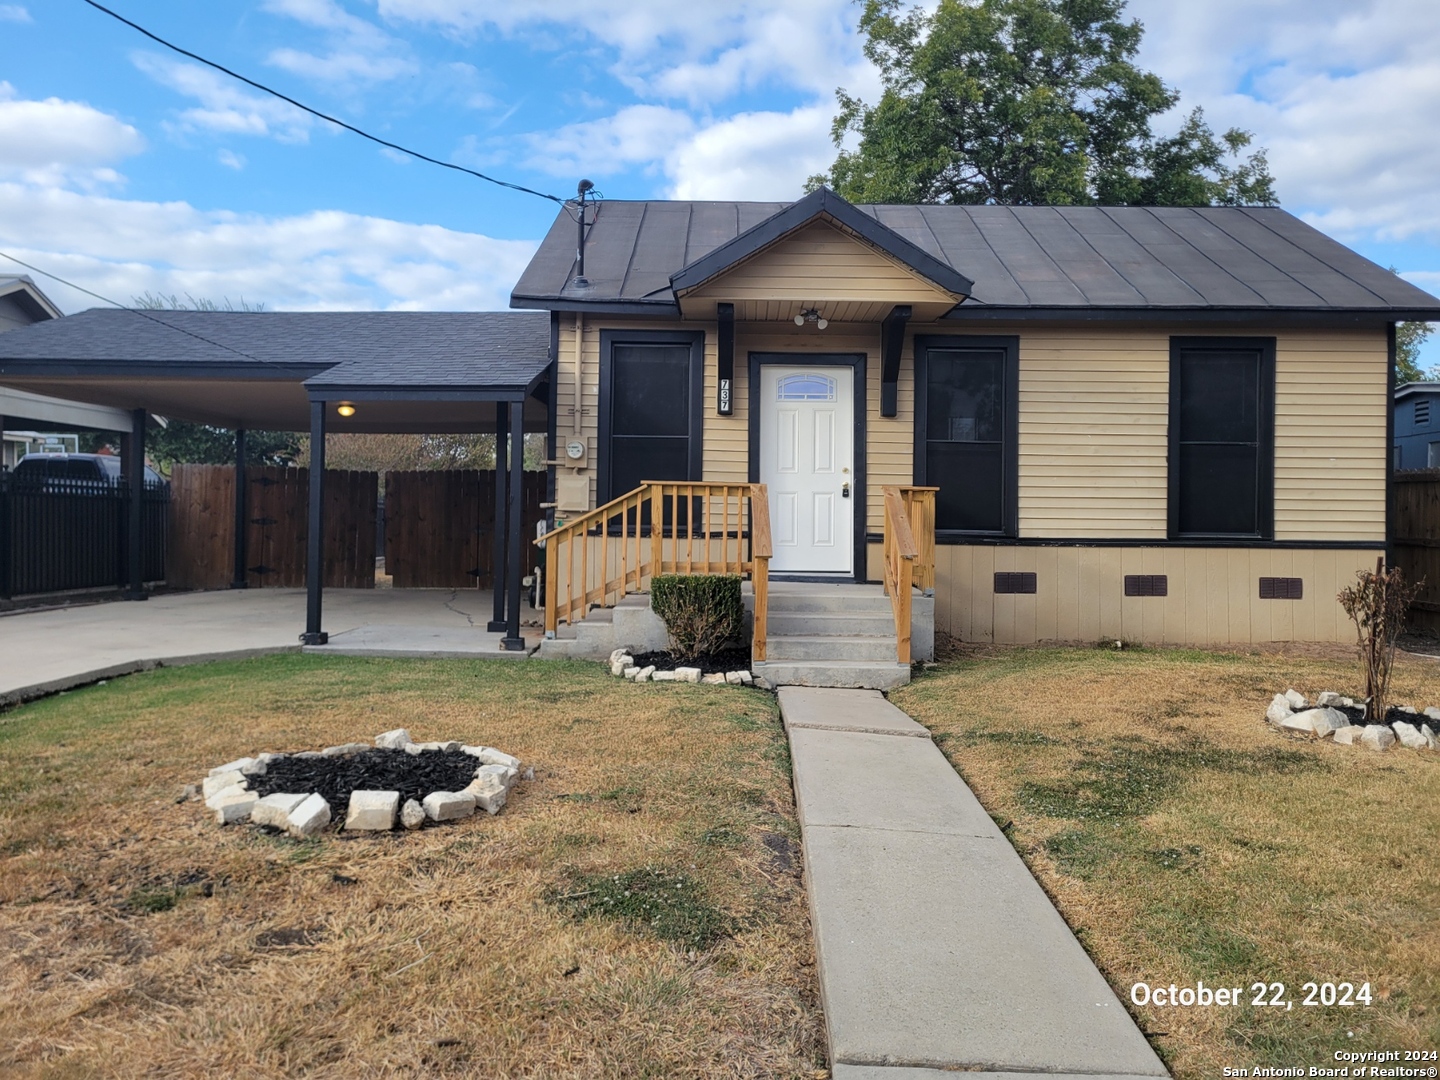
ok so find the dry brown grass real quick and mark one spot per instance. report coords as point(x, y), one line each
point(1185, 839)
point(430, 954)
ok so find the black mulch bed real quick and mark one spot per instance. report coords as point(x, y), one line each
point(1392, 714)
point(724, 661)
point(413, 775)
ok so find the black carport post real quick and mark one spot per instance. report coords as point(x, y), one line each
point(133, 466)
point(513, 641)
point(237, 579)
point(498, 623)
point(315, 540)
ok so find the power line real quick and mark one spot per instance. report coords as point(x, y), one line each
point(138, 311)
point(316, 112)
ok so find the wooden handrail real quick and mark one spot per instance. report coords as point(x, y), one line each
point(663, 526)
point(900, 554)
point(920, 506)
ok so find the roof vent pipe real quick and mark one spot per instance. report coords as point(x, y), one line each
point(581, 190)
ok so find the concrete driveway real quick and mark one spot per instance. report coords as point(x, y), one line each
point(42, 652)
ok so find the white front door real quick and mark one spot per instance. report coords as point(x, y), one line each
point(807, 440)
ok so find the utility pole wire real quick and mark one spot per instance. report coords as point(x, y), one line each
point(316, 112)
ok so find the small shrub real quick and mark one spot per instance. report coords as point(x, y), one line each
point(701, 612)
point(1378, 604)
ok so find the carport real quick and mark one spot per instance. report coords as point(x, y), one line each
point(394, 372)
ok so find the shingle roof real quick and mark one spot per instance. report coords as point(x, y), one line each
point(353, 348)
point(1019, 257)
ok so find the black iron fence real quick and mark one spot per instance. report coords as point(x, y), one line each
point(61, 534)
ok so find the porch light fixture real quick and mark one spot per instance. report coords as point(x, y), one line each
point(813, 316)
point(345, 409)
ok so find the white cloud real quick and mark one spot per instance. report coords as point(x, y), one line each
point(362, 52)
point(224, 107)
point(762, 155)
point(319, 261)
point(16, 13)
point(230, 159)
point(55, 141)
point(1344, 96)
point(340, 66)
point(636, 135)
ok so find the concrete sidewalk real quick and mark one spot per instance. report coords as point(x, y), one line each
point(936, 947)
point(45, 651)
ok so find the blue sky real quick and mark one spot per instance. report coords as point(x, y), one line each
point(129, 169)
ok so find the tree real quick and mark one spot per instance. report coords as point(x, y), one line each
point(1027, 102)
point(1409, 339)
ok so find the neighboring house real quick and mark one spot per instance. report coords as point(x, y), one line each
point(1162, 424)
point(23, 304)
point(1417, 425)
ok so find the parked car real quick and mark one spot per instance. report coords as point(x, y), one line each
point(61, 472)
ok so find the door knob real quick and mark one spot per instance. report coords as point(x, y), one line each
point(845, 490)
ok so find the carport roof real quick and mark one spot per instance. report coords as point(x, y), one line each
point(257, 369)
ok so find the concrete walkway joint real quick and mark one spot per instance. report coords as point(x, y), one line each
point(936, 947)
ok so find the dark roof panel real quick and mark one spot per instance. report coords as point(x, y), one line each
point(507, 349)
point(1089, 257)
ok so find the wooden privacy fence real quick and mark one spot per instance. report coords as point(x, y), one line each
point(1415, 525)
point(440, 526)
point(671, 527)
point(202, 535)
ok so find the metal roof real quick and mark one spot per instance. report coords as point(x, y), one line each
point(1023, 259)
point(380, 349)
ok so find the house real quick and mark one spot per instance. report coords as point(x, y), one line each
point(28, 421)
point(1008, 424)
point(1417, 425)
point(1151, 424)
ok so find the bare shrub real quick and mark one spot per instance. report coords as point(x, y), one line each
point(1378, 604)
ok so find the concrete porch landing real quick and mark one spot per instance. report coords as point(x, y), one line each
point(45, 651)
point(937, 949)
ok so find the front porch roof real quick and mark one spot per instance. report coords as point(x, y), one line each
point(1077, 262)
point(415, 371)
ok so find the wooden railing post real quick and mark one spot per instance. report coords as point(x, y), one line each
point(552, 586)
point(900, 555)
point(760, 552)
point(657, 528)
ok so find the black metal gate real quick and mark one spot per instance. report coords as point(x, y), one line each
point(61, 534)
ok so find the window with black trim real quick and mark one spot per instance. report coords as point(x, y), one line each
point(966, 422)
point(651, 409)
point(1222, 437)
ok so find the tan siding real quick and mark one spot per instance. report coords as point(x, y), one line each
point(1080, 595)
point(1330, 450)
point(823, 264)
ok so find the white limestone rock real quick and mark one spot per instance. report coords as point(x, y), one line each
point(528, 775)
point(746, 679)
point(503, 774)
point(1297, 700)
point(273, 809)
point(1329, 698)
point(620, 663)
point(687, 674)
point(393, 740)
point(307, 755)
point(345, 749)
point(309, 817)
point(474, 751)
point(1409, 736)
point(715, 678)
point(1320, 721)
point(734, 678)
point(445, 745)
point(1377, 737)
point(217, 782)
point(448, 805)
point(489, 793)
point(1279, 710)
point(616, 654)
point(238, 765)
point(1432, 712)
point(630, 672)
point(413, 749)
point(663, 676)
point(412, 814)
point(372, 811)
point(1348, 735)
point(1432, 738)
point(645, 674)
point(232, 805)
point(491, 756)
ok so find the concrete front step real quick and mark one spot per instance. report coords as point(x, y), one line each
point(832, 602)
point(846, 674)
point(832, 623)
point(816, 647)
